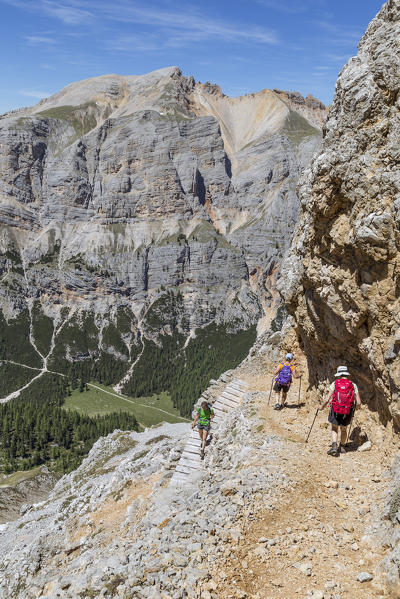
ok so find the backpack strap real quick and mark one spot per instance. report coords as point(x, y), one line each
point(209, 408)
point(333, 392)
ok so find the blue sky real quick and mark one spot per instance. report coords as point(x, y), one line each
point(243, 45)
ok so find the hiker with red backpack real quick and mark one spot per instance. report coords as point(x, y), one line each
point(285, 371)
point(343, 398)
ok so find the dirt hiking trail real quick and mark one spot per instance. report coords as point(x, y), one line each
point(312, 542)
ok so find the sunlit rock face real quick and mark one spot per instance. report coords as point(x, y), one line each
point(341, 279)
point(117, 190)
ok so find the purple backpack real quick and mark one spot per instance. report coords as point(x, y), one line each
point(285, 375)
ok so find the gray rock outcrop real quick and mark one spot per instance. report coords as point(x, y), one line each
point(114, 528)
point(341, 279)
point(19, 496)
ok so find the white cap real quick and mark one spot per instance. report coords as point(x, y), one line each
point(342, 371)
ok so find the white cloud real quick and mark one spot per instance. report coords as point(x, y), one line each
point(32, 93)
point(175, 28)
point(188, 23)
point(39, 39)
point(288, 7)
point(295, 7)
point(338, 34)
point(69, 12)
point(171, 29)
point(140, 43)
point(336, 57)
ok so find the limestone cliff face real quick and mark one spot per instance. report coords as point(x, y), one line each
point(341, 278)
point(118, 189)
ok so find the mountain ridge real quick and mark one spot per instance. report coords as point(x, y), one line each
point(134, 242)
point(59, 209)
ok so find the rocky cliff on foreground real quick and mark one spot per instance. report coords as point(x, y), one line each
point(341, 278)
point(116, 528)
point(135, 208)
point(32, 489)
point(267, 516)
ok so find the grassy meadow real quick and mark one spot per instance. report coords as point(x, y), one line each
point(97, 400)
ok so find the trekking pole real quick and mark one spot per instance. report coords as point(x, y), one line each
point(309, 432)
point(350, 427)
point(270, 391)
point(298, 401)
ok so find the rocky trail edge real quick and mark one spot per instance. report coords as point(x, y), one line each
point(314, 541)
point(268, 516)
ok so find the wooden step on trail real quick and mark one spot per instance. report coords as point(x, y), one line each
point(194, 442)
point(232, 396)
point(190, 465)
point(237, 384)
point(224, 407)
point(191, 458)
point(228, 402)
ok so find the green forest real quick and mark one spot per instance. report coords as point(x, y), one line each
point(81, 337)
point(185, 372)
point(35, 429)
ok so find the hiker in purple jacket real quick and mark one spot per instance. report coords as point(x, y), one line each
point(285, 373)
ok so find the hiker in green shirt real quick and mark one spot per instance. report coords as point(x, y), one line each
point(203, 418)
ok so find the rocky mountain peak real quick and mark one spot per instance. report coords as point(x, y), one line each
point(168, 91)
point(143, 221)
point(311, 108)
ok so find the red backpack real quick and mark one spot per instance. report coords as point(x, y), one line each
point(343, 396)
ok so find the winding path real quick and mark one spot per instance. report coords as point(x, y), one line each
point(314, 538)
point(136, 403)
point(190, 463)
point(42, 371)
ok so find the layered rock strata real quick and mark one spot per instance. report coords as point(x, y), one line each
point(117, 190)
point(341, 278)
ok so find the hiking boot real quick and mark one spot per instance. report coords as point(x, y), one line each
point(334, 450)
point(342, 449)
point(277, 406)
